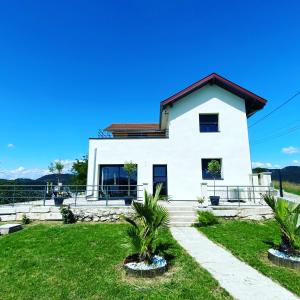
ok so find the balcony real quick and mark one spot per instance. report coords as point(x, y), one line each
point(133, 134)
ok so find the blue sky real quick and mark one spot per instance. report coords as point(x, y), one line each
point(69, 68)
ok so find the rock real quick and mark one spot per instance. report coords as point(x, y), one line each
point(9, 228)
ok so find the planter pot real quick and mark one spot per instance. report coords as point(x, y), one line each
point(214, 200)
point(58, 201)
point(281, 259)
point(131, 267)
point(128, 200)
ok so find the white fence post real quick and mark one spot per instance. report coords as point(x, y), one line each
point(204, 193)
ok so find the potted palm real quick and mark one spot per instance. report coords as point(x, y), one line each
point(286, 214)
point(214, 168)
point(144, 233)
point(58, 195)
point(130, 168)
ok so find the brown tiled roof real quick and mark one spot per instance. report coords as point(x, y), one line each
point(132, 126)
point(252, 101)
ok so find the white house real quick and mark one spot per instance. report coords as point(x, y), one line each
point(205, 121)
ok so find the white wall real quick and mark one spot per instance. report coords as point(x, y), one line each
point(186, 145)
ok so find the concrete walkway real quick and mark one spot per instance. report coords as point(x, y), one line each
point(238, 278)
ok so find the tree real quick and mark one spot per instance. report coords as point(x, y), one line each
point(79, 169)
point(56, 168)
point(130, 168)
point(286, 214)
point(149, 217)
point(214, 168)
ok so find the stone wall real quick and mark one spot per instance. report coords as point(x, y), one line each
point(256, 213)
point(52, 213)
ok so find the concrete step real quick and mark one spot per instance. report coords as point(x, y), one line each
point(183, 213)
point(181, 224)
point(180, 208)
point(183, 219)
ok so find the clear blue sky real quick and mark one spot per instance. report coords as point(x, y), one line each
point(68, 68)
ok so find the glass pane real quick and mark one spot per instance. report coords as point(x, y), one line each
point(160, 170)
point(209, 123)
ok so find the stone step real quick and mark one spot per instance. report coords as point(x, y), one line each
point(183, 219)
point(180, 208)
point(180, 224)
point(182, 213)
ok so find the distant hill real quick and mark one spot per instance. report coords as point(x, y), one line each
point(64, 178)
point(291, 174)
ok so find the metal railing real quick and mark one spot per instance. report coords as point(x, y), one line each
point(77, 195)
point(136, 134)
point(240, 194)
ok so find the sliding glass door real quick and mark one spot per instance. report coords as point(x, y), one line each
point(114, 182)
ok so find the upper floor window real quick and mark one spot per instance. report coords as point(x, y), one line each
point(209, 122)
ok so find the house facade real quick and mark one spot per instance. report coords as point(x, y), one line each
point(205, 121)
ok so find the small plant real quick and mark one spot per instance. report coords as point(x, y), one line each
point(214, 168)
point(206, 218)
point(67, 215)
point(287, 215)
point(25, 220)
point(130, 168)
point(56, 168)
point(144, 231)
point(200, 200)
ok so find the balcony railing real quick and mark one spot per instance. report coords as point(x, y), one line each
point(136, 134)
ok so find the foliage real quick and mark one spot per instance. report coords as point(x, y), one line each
point(67, 215)
point(149, 218)
point(214, 168)
point(52, 262)
point(259, 170)
point(56, 168)
point(250, 241)
point(289, 187)
point(25, 220)
point(130, 168)
point(207, 218)
point(200, 200)
point(286, 214)
point(79, 169)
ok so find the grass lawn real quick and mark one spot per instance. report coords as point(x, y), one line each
point(250, 241)
point(84, 261)
point(289, 187)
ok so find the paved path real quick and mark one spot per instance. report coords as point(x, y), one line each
point(291, 197)
point(238, 278)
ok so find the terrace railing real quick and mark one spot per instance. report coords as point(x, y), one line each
point(77, 195)
point(248, 194)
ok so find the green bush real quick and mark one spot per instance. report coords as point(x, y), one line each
point(67, 215)
point(206, 218)
point(25, 220)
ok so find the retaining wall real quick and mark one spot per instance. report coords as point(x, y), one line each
point(52, 213)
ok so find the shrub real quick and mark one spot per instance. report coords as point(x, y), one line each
point(206, 218)
point(25, 220)
point(67, 215)
point(144, 230)
point(287, 215)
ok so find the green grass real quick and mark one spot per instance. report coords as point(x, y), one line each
point(289, 187)
point(250, 241)
point(84, 261)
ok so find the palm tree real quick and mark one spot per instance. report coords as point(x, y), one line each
point(286, 214)
point(56, 167)
point(149, 218)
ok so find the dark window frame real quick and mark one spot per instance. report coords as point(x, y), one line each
point(166, 178)
point(205, 175)
point(209, 114)
point(121, 191)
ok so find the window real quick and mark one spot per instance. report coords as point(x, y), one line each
point(205, 173)
point(209, 122)
point(114, 181)
point(160, 176)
